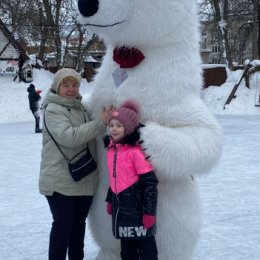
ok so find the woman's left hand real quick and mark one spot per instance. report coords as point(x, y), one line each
point(106, 113)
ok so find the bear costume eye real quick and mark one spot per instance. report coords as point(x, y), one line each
point(88, 7)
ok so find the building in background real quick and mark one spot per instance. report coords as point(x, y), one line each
point(13, 58)
point(240, 39)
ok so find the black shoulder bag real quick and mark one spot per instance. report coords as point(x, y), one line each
point(83, 166)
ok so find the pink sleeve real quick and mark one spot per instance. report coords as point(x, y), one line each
point(141, 164)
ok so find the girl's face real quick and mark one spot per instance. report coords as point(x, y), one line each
point(116, 130)
point(69, 88)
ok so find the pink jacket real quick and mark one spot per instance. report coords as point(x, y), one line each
point(130, 163)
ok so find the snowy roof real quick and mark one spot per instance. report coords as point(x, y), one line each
point(208, 66)
point(90, 59)
point(13, 41)
point(255, 63)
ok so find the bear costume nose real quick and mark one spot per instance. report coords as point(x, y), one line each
point(88, 7)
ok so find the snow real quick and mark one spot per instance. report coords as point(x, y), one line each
point(230, 194)
point(255, 63)
point(209, 66)
point(243, 104)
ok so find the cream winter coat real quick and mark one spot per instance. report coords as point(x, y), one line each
point(72, 129)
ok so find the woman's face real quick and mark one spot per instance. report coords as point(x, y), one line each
point(69, 88)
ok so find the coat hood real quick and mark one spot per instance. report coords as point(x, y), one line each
point(31, 88)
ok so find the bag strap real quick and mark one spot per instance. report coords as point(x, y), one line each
point(87, 149)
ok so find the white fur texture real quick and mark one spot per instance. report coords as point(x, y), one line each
point(181, 136)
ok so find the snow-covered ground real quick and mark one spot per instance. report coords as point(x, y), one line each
point(230, 194)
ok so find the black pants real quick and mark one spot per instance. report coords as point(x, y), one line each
point(68, 228)
point(36, 115)
point(143, 249)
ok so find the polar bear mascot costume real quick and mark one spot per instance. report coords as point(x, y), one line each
point(153, 57)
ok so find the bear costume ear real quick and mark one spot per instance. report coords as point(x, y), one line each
point(88, 10)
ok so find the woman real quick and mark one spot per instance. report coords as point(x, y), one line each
point(66, 121)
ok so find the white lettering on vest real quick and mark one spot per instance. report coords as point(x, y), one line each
point(132, 231)
point(140, 231)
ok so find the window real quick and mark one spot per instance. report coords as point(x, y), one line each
point(215, 49)
point(204, 44)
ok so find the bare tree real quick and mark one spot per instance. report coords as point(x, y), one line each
point(52, 12)
point(221, 9)
point(49, 24)
point(44, 32)
point(15, 14)
point(233, 24)
point(22, 18)
point(256, 30)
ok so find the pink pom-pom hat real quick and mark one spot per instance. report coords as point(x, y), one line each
point(128, 115)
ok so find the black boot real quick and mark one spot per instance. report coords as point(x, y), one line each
point(37, 126)
point(38, 130)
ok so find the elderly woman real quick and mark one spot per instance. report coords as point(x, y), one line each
point(67, 130)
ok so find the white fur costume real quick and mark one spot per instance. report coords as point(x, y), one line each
point(180, 135)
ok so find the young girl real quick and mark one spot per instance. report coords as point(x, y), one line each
point(132, 195)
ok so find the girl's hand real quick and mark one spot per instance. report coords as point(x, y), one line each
point(148, 221)
point(109, 208)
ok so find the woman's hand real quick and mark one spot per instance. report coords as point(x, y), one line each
point(106, 113)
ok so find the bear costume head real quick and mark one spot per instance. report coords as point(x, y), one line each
point(139, 22)
point(153, 57)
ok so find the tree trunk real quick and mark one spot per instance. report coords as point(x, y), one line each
point(258, 20)
point(44, 37)
point(229, 57)
point(255, 30)
point(53, 21)
point(221, 17)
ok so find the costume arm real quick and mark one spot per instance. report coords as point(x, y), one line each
point(191, 146)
